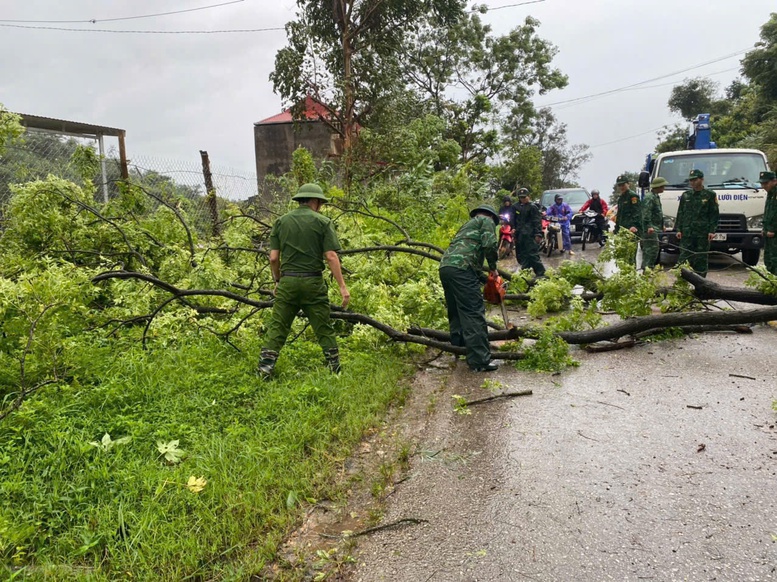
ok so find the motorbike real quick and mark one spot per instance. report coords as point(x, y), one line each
point(552, 238)
point(506, 238)
point(591, 231)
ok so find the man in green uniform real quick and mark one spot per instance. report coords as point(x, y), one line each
point(697, 219)
point(460, 270)
point(528, 231)
point(629, 209)
point(653, 222)
point(300, 241)
point(769, 183)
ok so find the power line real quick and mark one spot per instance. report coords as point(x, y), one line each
point(235, 30)
point(509, 6)
point(95, 20)
point(586, 98)
point(599, 145)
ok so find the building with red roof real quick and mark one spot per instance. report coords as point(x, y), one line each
point(276, 138)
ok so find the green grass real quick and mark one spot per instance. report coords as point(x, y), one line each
point(73, 511)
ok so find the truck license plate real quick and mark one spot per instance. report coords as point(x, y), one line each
point(719, 236)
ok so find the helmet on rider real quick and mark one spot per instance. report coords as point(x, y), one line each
point(594, 192)
point(559, 198)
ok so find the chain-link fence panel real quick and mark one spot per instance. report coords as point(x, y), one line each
point(178, 182)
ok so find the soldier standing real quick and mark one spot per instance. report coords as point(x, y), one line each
point(460, 270)
point(653, 222)
point(769, 183)
point(697, 219)
point(300, 241)
point(528, 232)
point(629, 209)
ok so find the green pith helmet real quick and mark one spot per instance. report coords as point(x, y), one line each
point(658, 182)
point(523, 193)
point(622, 179)
point(695, 174)
point(767, 177)
point(485, 208)
point(310, 191)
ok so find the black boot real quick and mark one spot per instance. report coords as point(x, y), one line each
point(267, 363)
point(332, 356)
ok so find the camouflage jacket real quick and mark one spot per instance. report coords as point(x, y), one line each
point(652, 213)
point(770, 211)
point(528, 220)
point(629, 211)
point(698, 213)
point(474, 243)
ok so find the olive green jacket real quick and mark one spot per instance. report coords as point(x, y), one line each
point(698, 213)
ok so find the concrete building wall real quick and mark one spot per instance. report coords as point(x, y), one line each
point(274, 143)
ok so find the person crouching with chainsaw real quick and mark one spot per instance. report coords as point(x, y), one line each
point(460, 269)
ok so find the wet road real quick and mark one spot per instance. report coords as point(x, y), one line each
point(656, 463)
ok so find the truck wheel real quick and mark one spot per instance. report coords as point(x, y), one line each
point(750, 256)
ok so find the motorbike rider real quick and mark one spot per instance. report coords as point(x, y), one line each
point(598, 205)
point(507, 209)
point(505, 235)
point(564, 213)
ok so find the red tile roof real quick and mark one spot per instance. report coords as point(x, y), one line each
point(314, 110)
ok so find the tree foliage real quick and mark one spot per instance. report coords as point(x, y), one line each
point(497, 75)
point(744, 114)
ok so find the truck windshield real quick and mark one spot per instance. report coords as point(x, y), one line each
point(721, 170)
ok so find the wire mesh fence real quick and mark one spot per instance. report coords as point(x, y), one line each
point(40, 154)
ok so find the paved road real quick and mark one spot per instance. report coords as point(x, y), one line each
point(659, 463)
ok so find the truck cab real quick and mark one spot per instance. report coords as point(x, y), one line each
point(732, 174)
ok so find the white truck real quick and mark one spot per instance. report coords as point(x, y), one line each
point(732, 173)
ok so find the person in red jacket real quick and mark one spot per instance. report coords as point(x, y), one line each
point(598, 205)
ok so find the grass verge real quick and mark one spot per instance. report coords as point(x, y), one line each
point(81, 506)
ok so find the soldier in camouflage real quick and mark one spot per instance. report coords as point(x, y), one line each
point(697, 219)
point(629, 209)
point(653, 222)
point(769, 183)
point(460, 270)
point(528, 230)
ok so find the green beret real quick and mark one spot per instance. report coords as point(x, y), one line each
point(310, 191)
point(658, 182)
point(695, 174)
point(622, 179)
point(485, 208)
point(767, 177)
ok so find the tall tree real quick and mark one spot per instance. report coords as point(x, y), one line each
point(692, 97)
point(496, 75)
point(561, 161)
point(760, 64)
point(344, 53)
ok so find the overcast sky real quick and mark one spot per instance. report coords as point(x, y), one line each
point(178, 93)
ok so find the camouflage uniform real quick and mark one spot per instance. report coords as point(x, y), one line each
point(629, 212)
point(302, 236)
point(770, 225)
point(528, 225)
point(460, 270)
point(697, 217)
point(652, 217)
point(630, 215)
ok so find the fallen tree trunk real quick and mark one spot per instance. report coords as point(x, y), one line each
point(708, 290)
point(650, 322)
